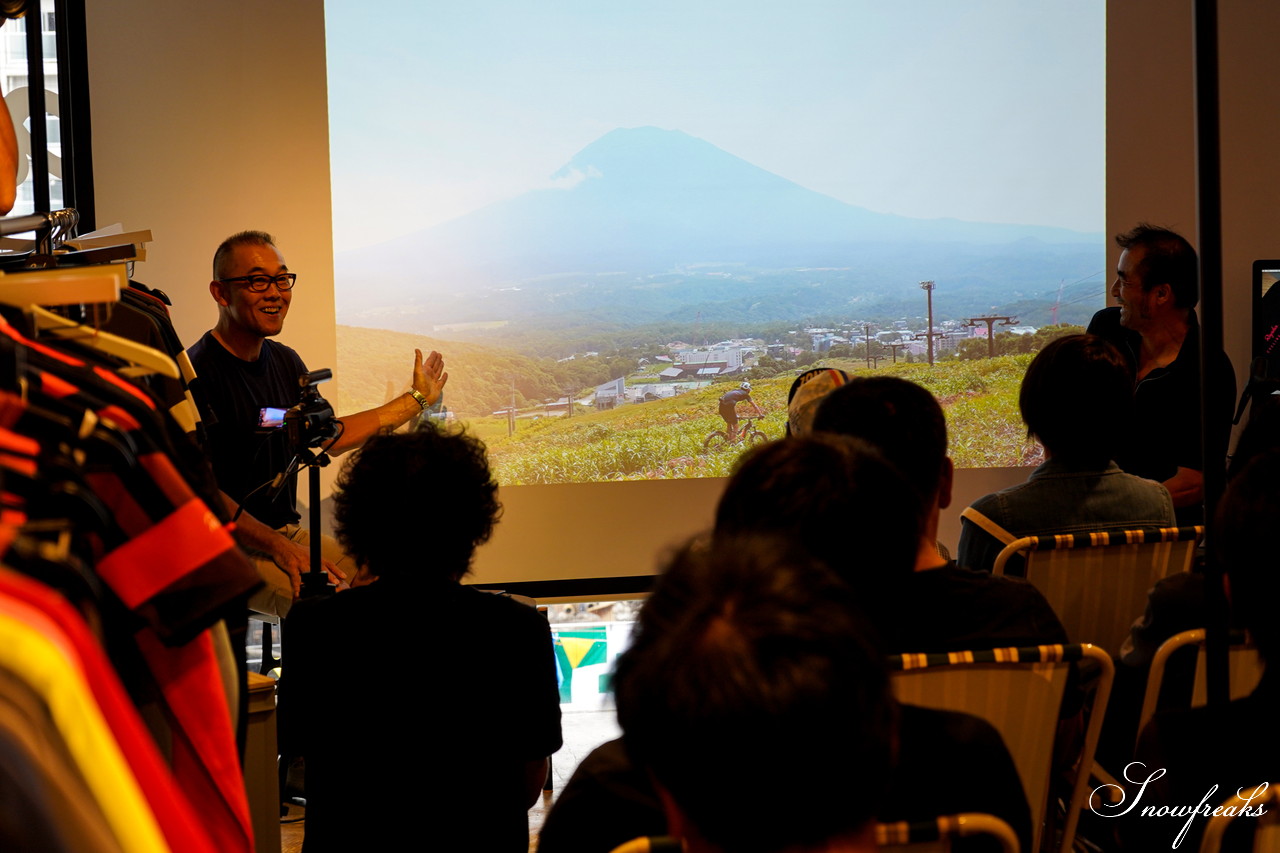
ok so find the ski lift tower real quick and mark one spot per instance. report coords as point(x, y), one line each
point(927, 287)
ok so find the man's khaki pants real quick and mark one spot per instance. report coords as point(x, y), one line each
point(276, 597)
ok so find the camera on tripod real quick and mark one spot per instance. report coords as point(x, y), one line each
point(311, 422)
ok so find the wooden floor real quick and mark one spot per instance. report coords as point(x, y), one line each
point(583, 732)
point(292, 828)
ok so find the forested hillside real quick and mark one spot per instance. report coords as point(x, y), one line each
point(375, 365)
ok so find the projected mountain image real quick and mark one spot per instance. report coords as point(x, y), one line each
point(592, 326)
point(647, 226)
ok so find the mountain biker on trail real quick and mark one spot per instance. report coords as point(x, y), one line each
point(729, 407)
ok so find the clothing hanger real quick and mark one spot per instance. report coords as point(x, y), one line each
point(103, 238)
point(56, 245)
point(55, 563)
point(147, 360)
point(80, 286)
point(61, 225)
point(47, 227)
point(100, 255)
point(56, 489)
point(75, 286)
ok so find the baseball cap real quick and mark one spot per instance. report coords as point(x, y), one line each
point(805, 394)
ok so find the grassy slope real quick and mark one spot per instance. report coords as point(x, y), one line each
point(663, 439)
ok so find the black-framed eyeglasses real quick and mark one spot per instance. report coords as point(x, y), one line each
point(260, 283)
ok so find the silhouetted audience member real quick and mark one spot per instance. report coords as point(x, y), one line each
point(1077, 401)
point(1208, 754)
point(1175, 604)
point(841, 503)
point(937, 605)
point(838, 498)
point(459, 706)
point(749, 667)
point(608, 801)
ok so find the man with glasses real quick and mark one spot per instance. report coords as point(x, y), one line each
point(244, 380)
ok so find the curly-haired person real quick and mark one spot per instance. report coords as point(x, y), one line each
point(460, 703)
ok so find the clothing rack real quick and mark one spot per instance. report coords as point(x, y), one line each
point(111, 555)
point(47, 226)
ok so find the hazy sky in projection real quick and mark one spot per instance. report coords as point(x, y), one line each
point(985, 111)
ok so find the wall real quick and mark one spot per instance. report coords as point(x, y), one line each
point(209, 118)
point(1151, 170)
point(1151, 145)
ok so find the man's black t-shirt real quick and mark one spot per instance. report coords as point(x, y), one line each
point(611, 799)
point(231, 394)
point(950, 609)
point(1166, 435)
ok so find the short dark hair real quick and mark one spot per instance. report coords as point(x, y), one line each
point(1077, 399)
point(1167, 258)
point(229, 245)
point(834, 496)
point(749, 663)
point(416, 503)
point(1246, 519)
point(899, 418)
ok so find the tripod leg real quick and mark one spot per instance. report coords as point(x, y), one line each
point(269, 660)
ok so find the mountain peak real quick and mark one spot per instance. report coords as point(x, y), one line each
point(654, 155)
point(624, 143)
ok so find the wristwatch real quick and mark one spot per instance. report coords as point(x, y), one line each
point(417, 395)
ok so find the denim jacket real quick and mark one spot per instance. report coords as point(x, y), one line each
point(1061, 498)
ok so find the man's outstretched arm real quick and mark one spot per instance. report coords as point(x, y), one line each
point(429, 379)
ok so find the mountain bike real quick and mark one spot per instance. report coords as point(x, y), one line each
point(746, 431)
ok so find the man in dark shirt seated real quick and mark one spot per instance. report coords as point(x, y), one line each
point(244, 379)
point(837, 499)
point(1155, 327)
point(456, 691)
point(939, 606)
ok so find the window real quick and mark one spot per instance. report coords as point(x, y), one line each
point(45, 87)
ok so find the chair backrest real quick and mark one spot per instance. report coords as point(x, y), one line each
point(1244, 668)
point(1097, 583)
point(934, 836)
point(1266, 833)
point(930, 836)
point(651, 844)
point(1019, 691)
